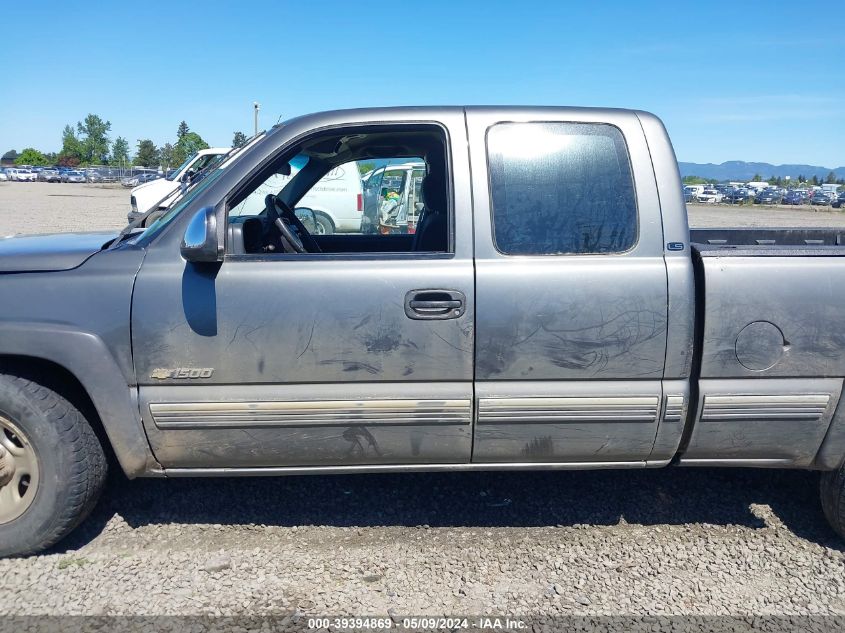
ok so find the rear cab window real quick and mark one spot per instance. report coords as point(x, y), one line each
point(561, 189)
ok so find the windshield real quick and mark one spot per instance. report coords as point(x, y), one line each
point(201, 163)
point(155, 228)
point(179, 169)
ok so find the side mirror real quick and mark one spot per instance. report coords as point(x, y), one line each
point(308, 219)
point(200, 244)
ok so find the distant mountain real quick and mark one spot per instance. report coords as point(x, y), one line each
point(740, 170)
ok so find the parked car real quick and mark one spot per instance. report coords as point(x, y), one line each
point(793, 197)
point(139, 179)
point(710, 194)
point(3, 176)
point(25, 175)
point(108, 174)
point(691, 192)
point(840, 201)
point(49, 175)
point(768, 196)
point(73, 176)
point(820, 198)
point(738, 196)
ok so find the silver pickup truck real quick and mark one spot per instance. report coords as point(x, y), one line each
point(550, 310)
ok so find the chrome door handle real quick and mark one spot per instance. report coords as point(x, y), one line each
point(434, 304)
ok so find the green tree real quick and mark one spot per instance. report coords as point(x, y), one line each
point(31, 156)
point(120, 151)
point(165, 155)
point(831, 178)
point(187, 146)
point(10, 156)
point(757, 178)
point(71, 152)
point(239, 140)
point(182, 130)
point(147, 155)
point(94, 138)
point(815, 180)
point(363, 168)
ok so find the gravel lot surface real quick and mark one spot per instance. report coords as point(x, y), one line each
point(671, 541)
point(43, 207)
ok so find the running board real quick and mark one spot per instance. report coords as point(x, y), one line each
point(408, 468)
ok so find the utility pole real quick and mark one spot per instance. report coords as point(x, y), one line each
point(256, 107)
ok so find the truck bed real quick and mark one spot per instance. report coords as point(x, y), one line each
point(771, 335)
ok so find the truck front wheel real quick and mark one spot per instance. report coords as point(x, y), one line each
point(52, 466)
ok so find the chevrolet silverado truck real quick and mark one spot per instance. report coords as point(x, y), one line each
point(552, 310)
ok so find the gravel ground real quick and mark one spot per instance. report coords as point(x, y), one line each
point(675, 541)
point(718, 215)
point(43, 207)
point(671, 541)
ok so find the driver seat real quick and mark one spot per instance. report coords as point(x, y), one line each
point(432, 234)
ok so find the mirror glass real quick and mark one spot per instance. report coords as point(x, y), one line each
point(196, 233)
point(308, 219)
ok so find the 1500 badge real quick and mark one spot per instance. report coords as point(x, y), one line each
point(182, 372)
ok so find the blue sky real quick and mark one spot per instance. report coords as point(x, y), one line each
point(731, 80)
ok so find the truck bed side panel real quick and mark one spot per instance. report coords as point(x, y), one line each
point(773, 317)
point(772, 358)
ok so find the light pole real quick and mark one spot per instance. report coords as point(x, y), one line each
point(256, 107)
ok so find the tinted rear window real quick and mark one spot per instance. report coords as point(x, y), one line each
point(560, 188)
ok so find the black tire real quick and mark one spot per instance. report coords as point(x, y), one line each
point(832, 489)
point(325, 226)
point(71, 465)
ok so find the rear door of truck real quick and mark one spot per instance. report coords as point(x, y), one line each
point(571, 288)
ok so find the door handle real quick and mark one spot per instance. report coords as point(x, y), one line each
point(434, 304)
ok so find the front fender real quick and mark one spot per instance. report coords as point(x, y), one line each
point(87, 357)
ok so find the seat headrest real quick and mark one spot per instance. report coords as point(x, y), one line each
point(433, 187)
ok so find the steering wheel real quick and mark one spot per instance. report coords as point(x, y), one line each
point(299, 239)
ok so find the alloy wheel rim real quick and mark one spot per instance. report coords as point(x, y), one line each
point(19, 472)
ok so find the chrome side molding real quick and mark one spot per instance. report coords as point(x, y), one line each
point(567, 409)
point(215, 415)
point(802, 406)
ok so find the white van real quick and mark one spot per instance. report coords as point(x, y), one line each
point(143, 197)
point(337, 199)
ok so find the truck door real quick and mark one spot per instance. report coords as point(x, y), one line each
point(359, 354)
point(571, 287)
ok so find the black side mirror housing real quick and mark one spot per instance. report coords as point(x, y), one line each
point(201, 243)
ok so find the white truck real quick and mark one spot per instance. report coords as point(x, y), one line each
point(162, 191)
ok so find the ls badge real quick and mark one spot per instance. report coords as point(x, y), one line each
point(181, 373)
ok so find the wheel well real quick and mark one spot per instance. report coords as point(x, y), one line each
point(59, 379)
